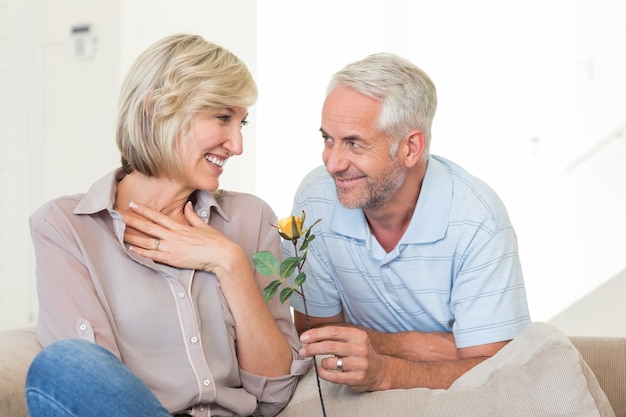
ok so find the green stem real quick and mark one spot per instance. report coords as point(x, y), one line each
point(317, 376)
point(308, 327)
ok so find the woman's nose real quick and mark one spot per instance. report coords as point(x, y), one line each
point(234, 145)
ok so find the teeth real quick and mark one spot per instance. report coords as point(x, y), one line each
point(215, 161)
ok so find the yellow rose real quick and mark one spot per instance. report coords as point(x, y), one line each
point(290, 228)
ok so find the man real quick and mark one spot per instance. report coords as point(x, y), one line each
point(414, 275)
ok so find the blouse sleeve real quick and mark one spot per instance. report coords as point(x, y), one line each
point(256, 233)
point(69, 306)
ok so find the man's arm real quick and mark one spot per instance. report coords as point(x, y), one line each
point(414, 346)
point(375, 361)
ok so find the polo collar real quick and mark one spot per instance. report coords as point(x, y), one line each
point(430, 218)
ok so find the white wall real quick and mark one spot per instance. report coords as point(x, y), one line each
point(59, 125)
point(526, 90)
point(16, 290)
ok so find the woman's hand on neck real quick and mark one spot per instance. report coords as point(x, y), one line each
point(159, 193)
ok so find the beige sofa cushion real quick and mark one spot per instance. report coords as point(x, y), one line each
point(17, 350)
point(607, 358)
point(539, 374)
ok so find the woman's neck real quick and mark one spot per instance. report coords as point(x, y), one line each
point(162, 194)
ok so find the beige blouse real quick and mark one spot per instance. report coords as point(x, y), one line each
point(172, 327)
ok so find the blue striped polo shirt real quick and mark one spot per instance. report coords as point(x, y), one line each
point(456, 268)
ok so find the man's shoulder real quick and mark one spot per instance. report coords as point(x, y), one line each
point(462, 177)
point(316, 184)
point(474, 197)
point(317, 177)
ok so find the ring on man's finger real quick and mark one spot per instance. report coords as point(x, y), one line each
point(339, 363)
point(156, 244)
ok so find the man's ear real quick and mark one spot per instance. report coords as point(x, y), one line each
point(412, 147)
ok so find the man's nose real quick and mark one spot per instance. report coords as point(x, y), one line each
point(335, 159)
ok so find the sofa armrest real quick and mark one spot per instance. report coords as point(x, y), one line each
point(17, 350)
point(606, 356)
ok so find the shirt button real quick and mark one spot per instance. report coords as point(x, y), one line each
point(206, 382)
point(181, 295)
point(201, 408)
point(194, 339)
point(83, 327)
point(203, 213)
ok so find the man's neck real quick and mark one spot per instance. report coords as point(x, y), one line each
point(389, 222)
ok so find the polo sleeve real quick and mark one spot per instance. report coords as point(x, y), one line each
point(488, 299)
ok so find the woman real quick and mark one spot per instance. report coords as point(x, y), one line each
point(153, 265)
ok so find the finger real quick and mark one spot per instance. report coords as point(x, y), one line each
point(334, 363)
point(155, 255)
point(356, 381)
point(338, 333)
point(325, 347)
point(141, 240)
point(137, 224)
point(153, 215)
point(191, 216)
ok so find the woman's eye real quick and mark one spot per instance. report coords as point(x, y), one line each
point(224, 117)
point(244, 123)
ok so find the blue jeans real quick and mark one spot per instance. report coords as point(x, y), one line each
point(76, 378)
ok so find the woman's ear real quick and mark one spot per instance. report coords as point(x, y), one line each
point(413, 147)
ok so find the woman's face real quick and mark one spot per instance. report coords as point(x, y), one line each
point(214, 137)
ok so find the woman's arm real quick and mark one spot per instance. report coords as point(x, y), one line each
point(262, 347)
point(69, 306)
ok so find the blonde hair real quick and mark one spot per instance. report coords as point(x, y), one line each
point(173, 80)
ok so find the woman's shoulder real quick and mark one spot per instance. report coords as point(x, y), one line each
point(232, 202)
point(236, 197)
point(58, 207)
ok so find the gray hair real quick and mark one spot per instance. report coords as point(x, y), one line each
point(172, 81)
point(407, 94)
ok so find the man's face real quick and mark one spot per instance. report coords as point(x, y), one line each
point(356, 151)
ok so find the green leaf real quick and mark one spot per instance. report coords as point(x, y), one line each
point(284, 236)
point(305, 243)
point(285, 294)
point(288, 266)
point(295, 233)
point(270, 291)
point(266, 263)
point(300, 279)
point(316, 222)
point(307, 231)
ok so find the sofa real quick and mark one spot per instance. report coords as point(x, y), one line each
point(559, 362)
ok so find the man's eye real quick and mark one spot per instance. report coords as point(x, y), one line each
point(327, 139)
point(352, 144)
